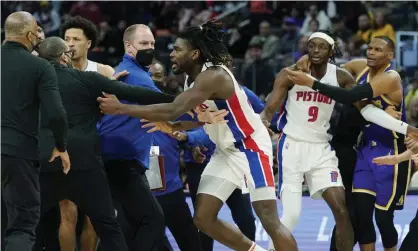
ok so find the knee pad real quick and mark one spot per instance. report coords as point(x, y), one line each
point(384, 221)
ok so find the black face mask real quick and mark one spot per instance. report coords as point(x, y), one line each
point(37, 41)
point(145, 57)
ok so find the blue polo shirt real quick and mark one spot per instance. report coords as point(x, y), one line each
point(122, 136)
point(170, 150)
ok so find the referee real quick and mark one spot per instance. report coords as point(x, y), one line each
point(86, 185)
point(27, 81)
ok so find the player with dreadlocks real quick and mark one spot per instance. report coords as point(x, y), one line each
point(304, 151)
point(243, 155)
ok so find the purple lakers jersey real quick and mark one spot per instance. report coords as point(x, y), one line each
point(371, 131)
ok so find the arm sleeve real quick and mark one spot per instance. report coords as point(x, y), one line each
point(198, 137)
point(256, 103)
point(344, 96)
point(51, 101)
point(378, 116)
point(140, 95)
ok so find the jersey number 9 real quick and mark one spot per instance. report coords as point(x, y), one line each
point(313, 113)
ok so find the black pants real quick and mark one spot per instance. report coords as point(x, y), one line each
point(347, 158)
point(410, 242)
point(179, 221)
point(47, 231)
point(130, 188)
point(89, 190)
point(238, 203)
point(21, 194)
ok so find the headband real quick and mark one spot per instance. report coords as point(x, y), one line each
point(324, 36)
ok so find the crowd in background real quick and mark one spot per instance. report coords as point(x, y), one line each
point(262, 36)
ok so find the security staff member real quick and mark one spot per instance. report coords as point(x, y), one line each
point(27, 81)
point(126, 147)
point(86, 185)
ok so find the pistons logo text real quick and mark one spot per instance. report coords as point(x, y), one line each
point(312, 96)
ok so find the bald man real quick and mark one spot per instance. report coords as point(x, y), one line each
point(126, 147)
point(27, 82)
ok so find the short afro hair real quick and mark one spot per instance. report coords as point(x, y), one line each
point(389, 42)
point(88, 27)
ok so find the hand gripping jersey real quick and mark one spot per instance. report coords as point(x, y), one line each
point(306, 113)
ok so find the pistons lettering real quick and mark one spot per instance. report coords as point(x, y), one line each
point(312, 96)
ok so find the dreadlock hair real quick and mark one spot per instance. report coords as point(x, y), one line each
point(208, 39)
point(336, 51)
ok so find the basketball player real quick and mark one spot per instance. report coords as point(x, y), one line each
point(80, 34)
point(377, 189)
point(303, 148)
point(243, 155)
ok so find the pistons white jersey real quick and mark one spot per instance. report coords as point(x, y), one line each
point(244, 127)
point(306, 113)
point(92, 66)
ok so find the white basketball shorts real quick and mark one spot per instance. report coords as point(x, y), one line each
point(316, 162)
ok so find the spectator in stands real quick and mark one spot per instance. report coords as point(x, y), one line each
point(269, 43)
point(365, 28)
point(258, 75)
point(382, 27)
point(354, 48)
point(302, 48)
point(201, 14)
point(89, 10)
point(290, 36)
point(323, 19)
point(411, 103)
point(313, 26)
point(49, 17)
point(339, 30)
point(296, 14)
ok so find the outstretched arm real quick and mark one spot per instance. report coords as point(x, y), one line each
point(393, 159)
point(275, 100)
point(144, 96)
point(370, 112)
point(203, 89)
point(380, 85)
point(396, 159)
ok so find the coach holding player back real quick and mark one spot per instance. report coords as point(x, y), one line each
point(27, 81)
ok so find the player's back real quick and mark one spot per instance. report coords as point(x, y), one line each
point(243, 123)
point(376, 133)
point(306, 114)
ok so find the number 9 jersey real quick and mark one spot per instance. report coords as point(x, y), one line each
point(303, 149)
point(306, 114)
